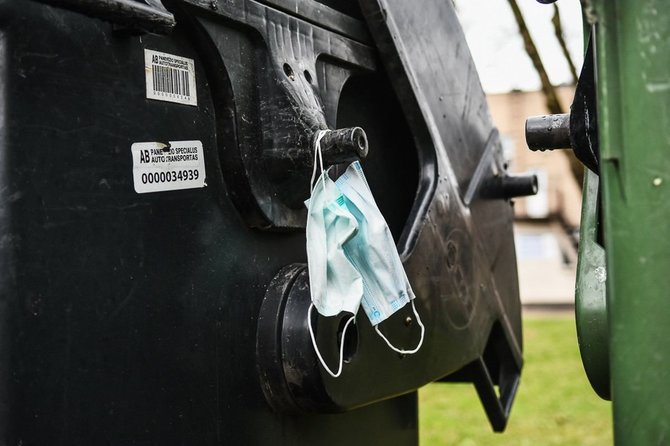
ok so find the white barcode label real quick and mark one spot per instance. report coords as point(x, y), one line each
point(170, 78)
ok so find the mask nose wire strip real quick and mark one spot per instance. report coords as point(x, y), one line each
point(316, 348)
point(405, 352)
point(319, 155)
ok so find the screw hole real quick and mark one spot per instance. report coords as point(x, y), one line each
point(452, 254)
point(308, 76)
point(288, 71)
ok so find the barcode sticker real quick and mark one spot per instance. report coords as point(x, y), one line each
point(170, 78)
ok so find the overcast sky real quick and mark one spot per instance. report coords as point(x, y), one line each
point(498, 50)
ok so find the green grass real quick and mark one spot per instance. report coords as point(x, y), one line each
point(555, 404)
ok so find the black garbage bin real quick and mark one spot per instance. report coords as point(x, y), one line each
point(155, 158)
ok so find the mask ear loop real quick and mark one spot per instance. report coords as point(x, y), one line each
point(316, 348)
point(405, 352)
point(317, 153)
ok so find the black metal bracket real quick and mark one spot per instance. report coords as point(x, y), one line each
point(497, 367)
point(496, 376)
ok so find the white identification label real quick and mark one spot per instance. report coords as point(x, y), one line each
point(170, 78)
point(159, 167)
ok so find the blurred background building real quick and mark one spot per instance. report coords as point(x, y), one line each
point(547, 224)
point(546, 229)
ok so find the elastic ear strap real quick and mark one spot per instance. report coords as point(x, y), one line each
point(317, 153)
point(316, 348)
point(405, 352)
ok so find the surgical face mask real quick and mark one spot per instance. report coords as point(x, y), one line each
point(335, 284)
point(352, 258)
point(374, 255)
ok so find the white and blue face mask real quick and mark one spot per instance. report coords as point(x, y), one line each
point(352, 258)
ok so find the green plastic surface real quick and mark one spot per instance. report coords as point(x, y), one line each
point(590, 293)
point(634, 123)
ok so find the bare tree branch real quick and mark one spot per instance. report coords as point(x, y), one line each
point(553, 104)
point(558, 30)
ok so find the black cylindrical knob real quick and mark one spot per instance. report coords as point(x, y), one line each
point(342, 145)
point(548, 132)
point(518, 185)
point(510, 186)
